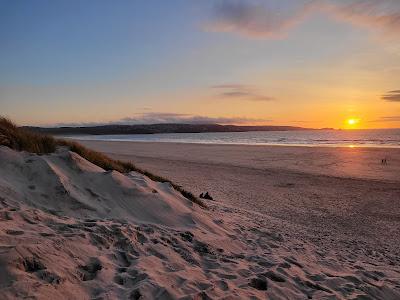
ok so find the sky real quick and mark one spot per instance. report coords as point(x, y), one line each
point(258, 62)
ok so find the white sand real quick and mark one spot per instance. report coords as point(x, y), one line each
point(70, 230)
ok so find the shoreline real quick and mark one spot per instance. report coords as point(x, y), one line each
point(246, 144)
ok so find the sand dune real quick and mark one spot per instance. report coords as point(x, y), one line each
point(85, 190)
point(70, 230)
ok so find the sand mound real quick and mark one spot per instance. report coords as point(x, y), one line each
point(64, 183)
point(70, 230)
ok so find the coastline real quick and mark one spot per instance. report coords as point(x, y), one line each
point(383, 146)
point(303, 138)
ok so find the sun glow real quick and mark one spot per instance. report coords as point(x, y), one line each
point(351, 122)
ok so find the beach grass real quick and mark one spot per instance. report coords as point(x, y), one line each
point(24, 140)
point(21, 139)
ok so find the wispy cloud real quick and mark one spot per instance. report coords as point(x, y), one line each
point(156, 117)
point(254, 19)
point(383, 15)
point(388, 119)
point(168, 118)
point(392, 96)
point(240, 91)
point(267, 19)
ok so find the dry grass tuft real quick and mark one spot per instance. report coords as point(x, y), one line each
point(24, 140)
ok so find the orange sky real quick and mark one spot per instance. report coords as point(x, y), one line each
point(280, 63)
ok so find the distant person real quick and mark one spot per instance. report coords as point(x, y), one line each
point(384, 161)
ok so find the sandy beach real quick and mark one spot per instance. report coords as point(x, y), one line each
point(338, 192)
point(286, 223)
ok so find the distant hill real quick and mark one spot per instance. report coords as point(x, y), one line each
point(158, 128)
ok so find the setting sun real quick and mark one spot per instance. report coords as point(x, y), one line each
point(352, 121)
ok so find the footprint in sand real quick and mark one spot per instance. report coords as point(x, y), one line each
point(49, 277)
point(90, 270)
point(226, 276)
point(123, 258)
point(141, 238)
point(223, 285)
point(118, 279)
point(186, 255)
point(308, 287)
point(154, 252)
point(33, 265)
point(284, 265)
point(46, 234)
point(202, 248)
point(187, 236)
point(293, 261)
point(14, 232)
point(98, 241)
point(259, 283)
point(135, 295)
point(28, 220)
point(274, 276)
point(129, 279)
point(244, 273)
point(5, 216)
point(211, 264)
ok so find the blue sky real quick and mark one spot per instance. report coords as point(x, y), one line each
point(53, 42)
point(253, 61)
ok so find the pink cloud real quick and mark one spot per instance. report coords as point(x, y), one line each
point(263, 20)
point(240, 92)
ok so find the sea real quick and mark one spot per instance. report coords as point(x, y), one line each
point(330, 138)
